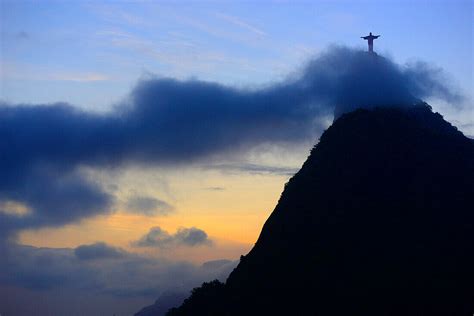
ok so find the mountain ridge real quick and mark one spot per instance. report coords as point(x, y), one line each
point(377, 221)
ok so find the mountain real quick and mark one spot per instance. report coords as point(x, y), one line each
point(166, 301)
point(378, 221)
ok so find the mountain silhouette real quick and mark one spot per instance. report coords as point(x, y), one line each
point(378, 221)
point(166, 301)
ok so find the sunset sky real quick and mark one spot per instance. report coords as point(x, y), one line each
point(202, 194)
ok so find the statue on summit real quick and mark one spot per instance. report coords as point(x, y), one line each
point(370, 40)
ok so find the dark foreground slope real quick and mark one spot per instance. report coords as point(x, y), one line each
point(379, 220)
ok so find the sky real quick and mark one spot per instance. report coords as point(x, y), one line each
point(146, 139)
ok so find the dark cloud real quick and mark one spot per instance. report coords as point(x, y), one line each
point(191, 237)
point(98, 250)
point(160, 238)
point(346, 79)
point(169, 122)
point(148, 206)
point(52, 198)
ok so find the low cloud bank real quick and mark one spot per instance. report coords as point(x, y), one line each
point(102, 269)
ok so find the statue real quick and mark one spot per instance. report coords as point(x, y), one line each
point(370, 39)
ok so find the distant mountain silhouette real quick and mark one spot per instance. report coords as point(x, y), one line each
point(166, 301)
point(378, 221)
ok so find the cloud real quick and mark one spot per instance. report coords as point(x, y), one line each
point(84, 270)
point(348, 79)
point(12, 208)
point(42, 268)
point(98, 250)
point(252, 168)
point(215, 264)
point(168, 122)
point(160, 238)
point(148, 206)
point(50, 197)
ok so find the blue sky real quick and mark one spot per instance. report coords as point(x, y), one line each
point(91, 53)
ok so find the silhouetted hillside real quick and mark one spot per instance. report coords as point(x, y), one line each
point(166, 301)
point(379, 220)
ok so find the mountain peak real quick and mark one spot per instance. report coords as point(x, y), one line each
point(378, 221)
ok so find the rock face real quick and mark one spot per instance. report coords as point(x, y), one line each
point(379, 221)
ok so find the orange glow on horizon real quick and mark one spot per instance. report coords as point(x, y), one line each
point(232, 216)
